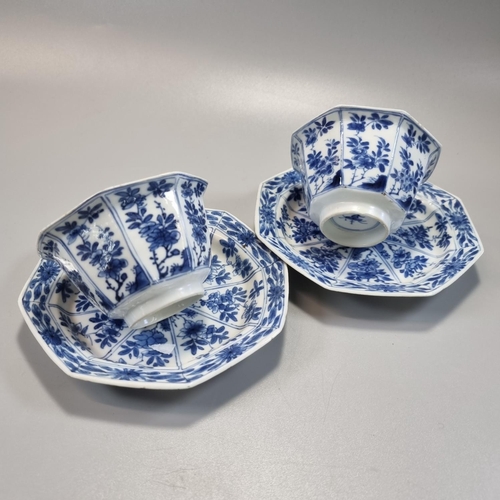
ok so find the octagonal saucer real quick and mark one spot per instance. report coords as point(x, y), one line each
point(244, 307)
point(436, 244)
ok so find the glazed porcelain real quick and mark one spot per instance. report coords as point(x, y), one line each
point(243, 308)
point(140, 251)
point(435, 245)
point(361, 169)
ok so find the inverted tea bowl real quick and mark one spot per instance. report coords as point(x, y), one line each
point(139, 251)
point(361, 169)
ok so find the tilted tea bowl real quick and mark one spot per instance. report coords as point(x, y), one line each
point(139, 251)
point(361, 169)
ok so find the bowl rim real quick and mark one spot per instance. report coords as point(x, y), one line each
point(368, 108)
point(102, 192)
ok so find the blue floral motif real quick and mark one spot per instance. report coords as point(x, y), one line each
point(258, 287)
point(276, 293)
point(241, 266)
point(289, 178)
point(359, 122)
point(267, 217)
point(159, 188)
point(145, 346)
point(418, 207)
point(106, 256)
point(415, 165)
point(407, 179)
point(53, 337)
point(195, 335)
point(218, 272)
point(422, 142)
point(252, 311)
point(414, 236)
point(77, 330)
point(436, 243)
point(369, 270)
point(101, 258)
point(192, 193)
point(107, 331)
point(230, 353)
point(363, 160)
point(409, 265)
point(444, 238)
point(300, 228)
point(161, 232)
point(64, 288)
point(217, 335)
point(354, 219)
point(323, 126)
point(325, 257)
point(228, 247)
point(50, 248)
point(322, 168)
point(250, 245)
point(91, 213)
point(226, 305)
point(452, 265)
point(83, 303)
point(105, 253)
point(45, 276)
point(460, 222)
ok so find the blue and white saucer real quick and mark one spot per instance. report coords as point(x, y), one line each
point(436, 244)
point(244, 307)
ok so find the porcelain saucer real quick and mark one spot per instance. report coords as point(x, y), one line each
point(244, 307)
point(436, 244)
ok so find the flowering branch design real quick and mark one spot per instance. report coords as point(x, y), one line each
point(104, 254)
point(161, 232)
point(359, 123)
point(195, 214)
point(146, 346)
point(407, 179)
point(363, 160)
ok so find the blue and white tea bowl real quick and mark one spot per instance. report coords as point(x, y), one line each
point(361, 169)
point(140, 251)
point(244, 307)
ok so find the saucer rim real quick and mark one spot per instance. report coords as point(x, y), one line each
point(136, 384)
point(354, 291)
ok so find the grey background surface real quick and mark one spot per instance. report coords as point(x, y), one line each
point(359, 397)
